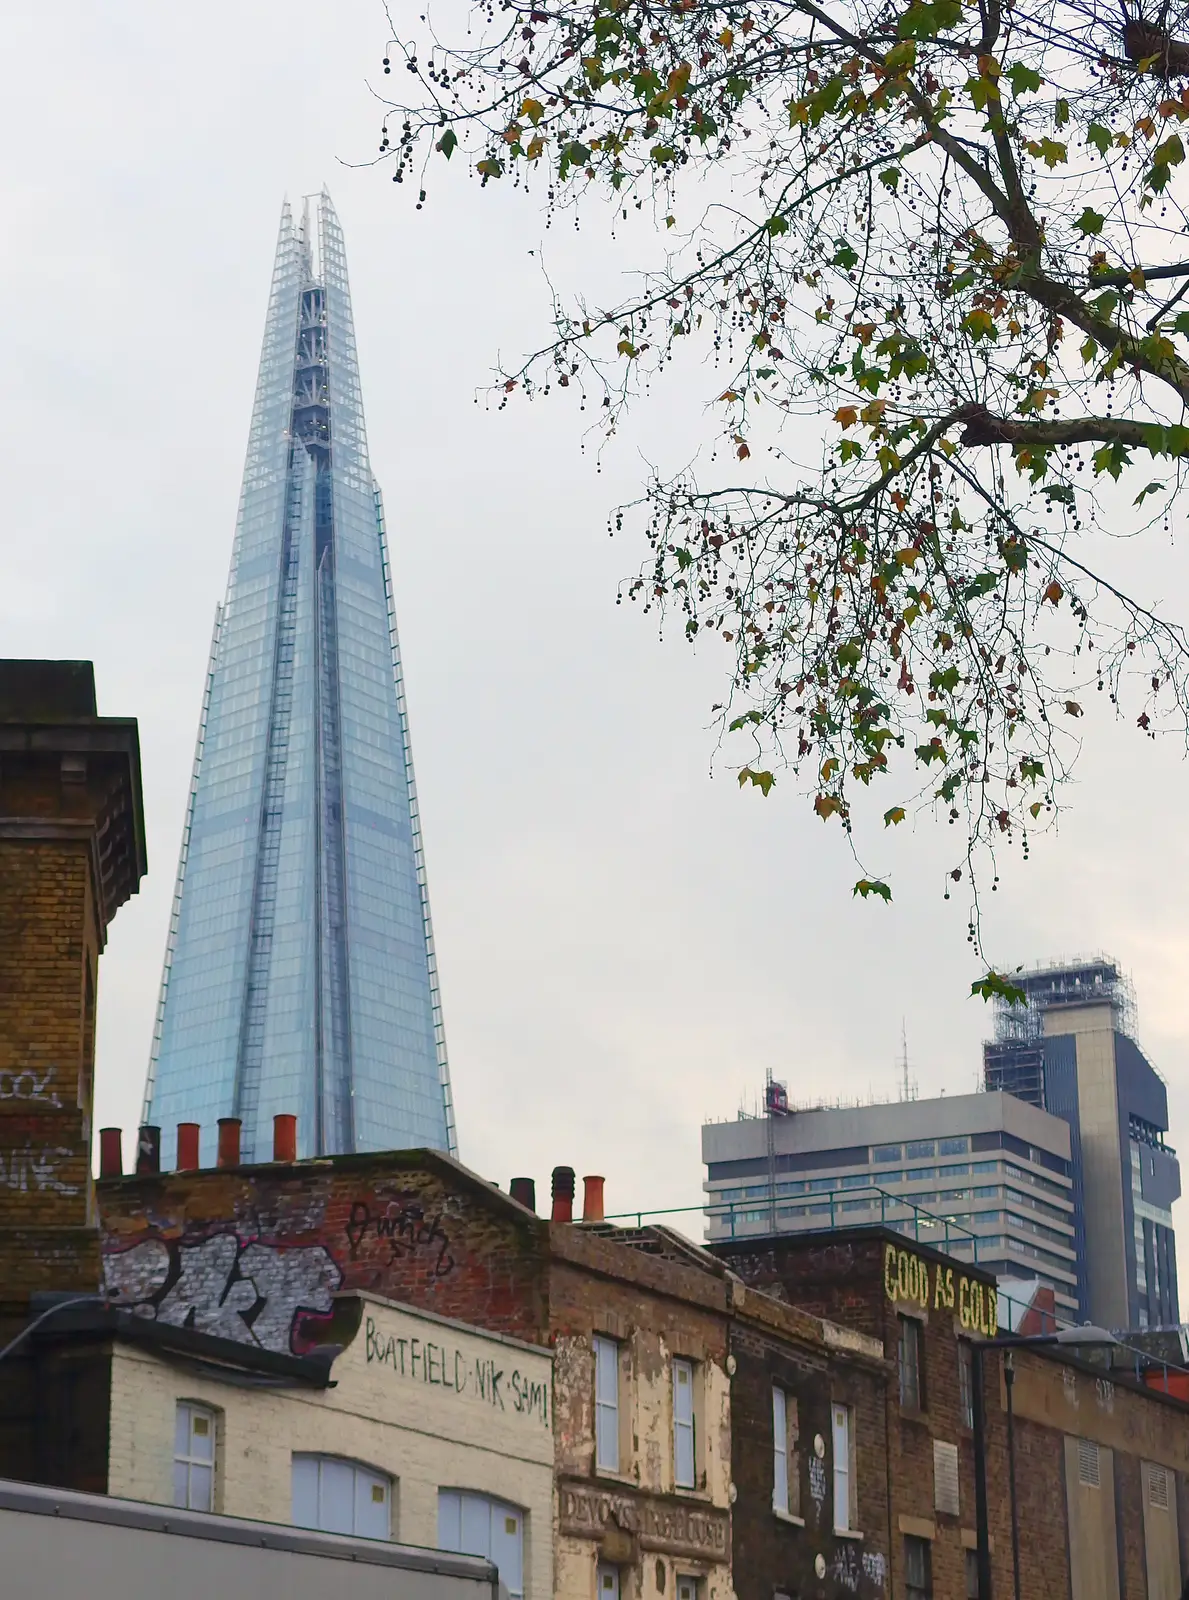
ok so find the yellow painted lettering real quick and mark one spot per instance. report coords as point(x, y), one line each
point(949, 1287)
point(889, 1271)
point(938, 1288)
point(992, 1312)
point(964, 1302)
point(902, 1274)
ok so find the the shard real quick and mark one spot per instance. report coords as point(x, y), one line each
point(299, 973)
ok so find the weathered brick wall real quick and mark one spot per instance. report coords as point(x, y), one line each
point(844, 1277)
point(775, 1555)
point(257, 1252)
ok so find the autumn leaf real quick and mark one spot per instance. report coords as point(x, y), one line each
point(1053, 593)
point(847, 416)
point(763, 781)
point(826, 805)
point(1072, 709)
point(867, 887)
point(894, 816)
point(533, 110)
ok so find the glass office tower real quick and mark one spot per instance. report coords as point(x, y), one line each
point(299, 972)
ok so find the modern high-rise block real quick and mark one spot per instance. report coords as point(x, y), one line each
point(300, 974)
point(1071, 1049)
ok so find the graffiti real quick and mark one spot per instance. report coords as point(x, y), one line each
point(817, 1482)
point(29, 1085)
point(847, 1568)
point(875, 1567)
point(223, 1285)
point(406, 1229)
point(906, 1277)
point(1105, 1390)
point(35, 1169)
point(448, 1367)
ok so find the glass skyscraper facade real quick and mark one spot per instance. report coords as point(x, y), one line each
point(300, 973)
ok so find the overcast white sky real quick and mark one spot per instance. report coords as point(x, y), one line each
point(626, 943)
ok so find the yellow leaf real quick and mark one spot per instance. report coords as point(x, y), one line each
point(829, 768)
point(847, 416)
point(895, 815)
point(729, 395)
point(535, 149)
point(726, 38)
point(533, 110)
point(825, 805)
point(873, 411)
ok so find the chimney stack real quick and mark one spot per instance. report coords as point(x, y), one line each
point(111, 1152)
point(228, 1142)
point(524, 1190)
point(592, 1199)
point(284, 1137)
point(188, 1139)
point(71, 853)
point(148, 1152)
point(563, 1194)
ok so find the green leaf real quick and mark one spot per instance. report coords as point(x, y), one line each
point(844, 256)
point(867, 887)
point(1101, 138)
point(890, 178)
point(894, 816)
point(1148, 488)
point(1059, 491)
point(447, 143)
point(763, 781)
point(1111, 458)
point(994, 986)
point(925, 21)
point(776, 225)
point(983, 584)
point(1023, 79)
point(1090, 221)
point(748, 717)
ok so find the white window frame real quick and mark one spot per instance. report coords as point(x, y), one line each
point(607, 1584)
point(688, 1586)
point(685, 1460)
point(360, 1470)
point(842, 1439)
point(606, 1390)
point(494, 1507)
point(780, 1452)
point(192, 1412)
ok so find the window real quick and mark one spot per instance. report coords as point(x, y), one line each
point(966, 1382)
point(844, 1478)
point(919, 1174)
point(922, 1147)
point(884, 1153)
point(606, 1353)
point(945, 1478)
point(918, 1568)
point(856, 1180)
point(984, 1166)
point(1157, 1486)
point(684, 1475)
point(607, 1581)
point(912, 1388)
point(475, 1525)
point(823, 1185)
point(786, 1471)
point(194, 1457)
point(688, 1588)
point(972, 1575)
point(1088, 1473)
point(953, 1147)
point(341, 1497)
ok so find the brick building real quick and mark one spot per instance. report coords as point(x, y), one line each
point(913, 1444)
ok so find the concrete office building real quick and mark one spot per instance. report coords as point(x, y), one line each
point(1071, 1050)
point(984, 1177)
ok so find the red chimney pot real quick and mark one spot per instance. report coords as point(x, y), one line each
point(563, 1194)
point(592, 1199)
point(188, 1136)
point(229, 1141)
point(111, 1153)
point(284, 1137)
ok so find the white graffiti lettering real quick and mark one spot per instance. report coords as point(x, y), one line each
point(846, 1568)
point(35, 1169)
point(817, 1481)
point(875, 1568)
point(255, 1293)
point(29, 1085)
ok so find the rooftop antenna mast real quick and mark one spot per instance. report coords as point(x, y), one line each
point(776, 1104)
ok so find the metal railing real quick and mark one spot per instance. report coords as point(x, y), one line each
point(837, 1208)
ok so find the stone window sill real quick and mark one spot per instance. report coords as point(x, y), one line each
point(789, 1517)
point(847, 1533)
point(912, 1414)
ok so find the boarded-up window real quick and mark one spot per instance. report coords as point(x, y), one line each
point(1157, 1488)
point(945, 1477)
point(1088, 1474)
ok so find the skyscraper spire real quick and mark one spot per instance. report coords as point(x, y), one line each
point(300, 973)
